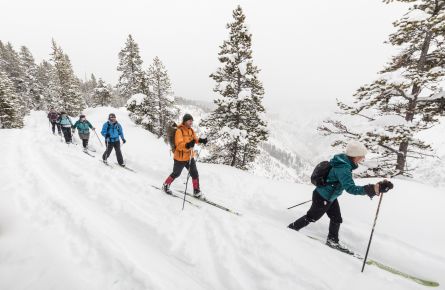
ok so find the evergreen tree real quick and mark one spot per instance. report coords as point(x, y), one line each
point(144, 111)
point(406, 98)
point(68, 84)
point(101, 95)
point(162, 97)
point(236, 127)
point(32, 88)
point(132, 79)
point(46, 76)
point(10, 107)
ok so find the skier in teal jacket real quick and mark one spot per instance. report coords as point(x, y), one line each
point(83, 126)
point(324, 198)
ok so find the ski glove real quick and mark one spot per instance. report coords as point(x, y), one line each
point(190, 144)
point(107, 136)
point(369, 190)
point(385, 186)
point(202, 141)
point(124, 141)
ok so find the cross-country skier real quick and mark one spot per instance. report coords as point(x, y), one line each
point(324, 198)
point(52, 118)
point(112, 131)
point(83, 127)
point(64, 121)
point(185, 140)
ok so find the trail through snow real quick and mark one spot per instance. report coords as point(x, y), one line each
point(69, 222)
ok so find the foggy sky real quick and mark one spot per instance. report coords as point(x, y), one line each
point(308, 51)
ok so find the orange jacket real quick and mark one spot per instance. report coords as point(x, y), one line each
point(183, 136)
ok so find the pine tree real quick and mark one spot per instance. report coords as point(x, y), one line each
point(236, 127)
point(144, 111)
point(10, 64)
point(10, 107)
point(161, 95)
point(101, 95)
point(32, 88)
point(132, 79)
point(46, 76)
point(68, 84)
point(406, 98)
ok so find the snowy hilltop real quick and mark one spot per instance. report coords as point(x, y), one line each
point(69, 222)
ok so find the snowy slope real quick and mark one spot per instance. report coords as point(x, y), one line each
point(69, 222)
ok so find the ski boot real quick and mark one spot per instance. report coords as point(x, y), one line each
point(198, 194)
point(166, 188)
point(338, 246)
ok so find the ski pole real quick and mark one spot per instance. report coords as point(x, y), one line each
point(300, 203)
point(372, 232)
point(98, 138)
point(187, 181)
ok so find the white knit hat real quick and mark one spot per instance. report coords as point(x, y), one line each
point(355, 149)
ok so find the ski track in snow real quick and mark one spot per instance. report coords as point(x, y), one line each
point(69, 222)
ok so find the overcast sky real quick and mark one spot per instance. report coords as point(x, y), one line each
point(309, 51)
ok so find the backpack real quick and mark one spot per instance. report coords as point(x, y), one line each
point(320, 174)
point(171, 134)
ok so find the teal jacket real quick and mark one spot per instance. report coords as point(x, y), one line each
point(340, 178)
point(82, 127)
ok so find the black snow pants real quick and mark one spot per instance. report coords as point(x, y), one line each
point(319, 207)
point(54, 125)
point(67, 134)
point(178, 166)
point(117, 148)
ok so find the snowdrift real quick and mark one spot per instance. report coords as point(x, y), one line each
point(69, 222)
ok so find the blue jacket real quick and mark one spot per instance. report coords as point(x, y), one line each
point(341, 176)
point(112, 131)
point(83, 127)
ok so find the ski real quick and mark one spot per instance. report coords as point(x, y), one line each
point(389, 269)
point(176, 196)
point(106, 164)
point(208, 202)
point(127, 168)
point(88, 153)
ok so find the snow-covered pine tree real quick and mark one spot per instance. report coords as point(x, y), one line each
point(162, 96)
point(10, 107)
point(101, 95)
point(72, 100)
point(10, 64)
point(47, 79)
point(407, 97)
point(87, 87)
point(236, 127)
point(144, 111)
point(32, 87)
point(132, 79)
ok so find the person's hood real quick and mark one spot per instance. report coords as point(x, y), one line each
point(342, 160)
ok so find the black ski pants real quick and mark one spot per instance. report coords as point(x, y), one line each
point(67, 134)
point(117, 148)
point(178, 166)
point(54, 125)
point(318, 208)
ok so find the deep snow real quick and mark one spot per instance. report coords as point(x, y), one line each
point(69, 222)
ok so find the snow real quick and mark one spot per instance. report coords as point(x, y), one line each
point(390, 120)
point(69, 222)
point(137, 99)
point(418, 15)
point(243, 67)
point(244, 94)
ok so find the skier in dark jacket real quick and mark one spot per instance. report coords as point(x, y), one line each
point(112, 131)
point(64, 121)
point(52, 118)
point(185, 140)
point(83, 126)
point(324, 198)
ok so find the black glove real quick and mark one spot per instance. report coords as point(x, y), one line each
point(190, 144)
point(369, 189)
point(202, 141)
point(124, 141)
point(385, 186)
point(107, 135)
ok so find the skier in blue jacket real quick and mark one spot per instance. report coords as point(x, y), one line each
point(65, 123)
point(324, 198)
point(112, 131)
point(83, 126)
